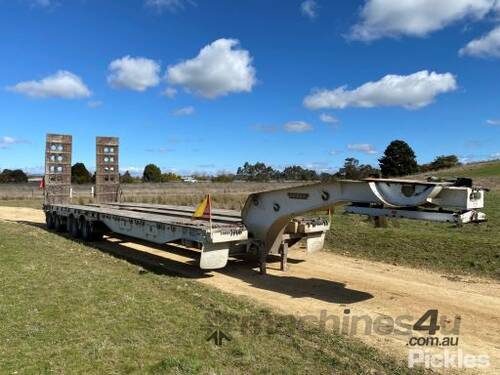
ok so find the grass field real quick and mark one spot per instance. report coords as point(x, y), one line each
point(486, 174)
point(486, 169)
point(67, 308)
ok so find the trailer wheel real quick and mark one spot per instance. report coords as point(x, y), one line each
point(59, 223)
point(87, 231)
point(49, 220)
point(74, 228)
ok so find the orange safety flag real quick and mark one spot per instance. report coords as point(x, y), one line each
point(42, 183)
point(204, 210)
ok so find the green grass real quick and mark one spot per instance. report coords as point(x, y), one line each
point(68, 308)
point(485, 169)
point(472, 249)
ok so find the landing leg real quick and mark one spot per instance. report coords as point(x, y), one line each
point(380, 222)
point(263, 261)
point(284, 256)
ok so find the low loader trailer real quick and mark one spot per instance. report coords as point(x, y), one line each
point(270, 222)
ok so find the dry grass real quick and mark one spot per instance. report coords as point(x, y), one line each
point(224, 195)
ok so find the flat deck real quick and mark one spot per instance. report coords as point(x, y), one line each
point(159, 214)
point(218, 215)
point(182, 216)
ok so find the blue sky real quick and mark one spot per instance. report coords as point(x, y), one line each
point(195, 85)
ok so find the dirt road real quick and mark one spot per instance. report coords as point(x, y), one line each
point(329, 287)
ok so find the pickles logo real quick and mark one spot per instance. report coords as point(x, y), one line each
point(447, 359)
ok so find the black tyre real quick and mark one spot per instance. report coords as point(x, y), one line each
point(59, 224)
point(87, 232)
point(49, 220)
point(74, 227)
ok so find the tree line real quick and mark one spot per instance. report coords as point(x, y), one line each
point(13, 176)
point(398, 160)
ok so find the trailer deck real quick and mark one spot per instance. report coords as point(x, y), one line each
point(162, 224)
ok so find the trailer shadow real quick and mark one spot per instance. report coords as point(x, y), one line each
point(243, 268)
point(295, 287)
point(116, 246)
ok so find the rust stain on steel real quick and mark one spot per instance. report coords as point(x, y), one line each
point(58, 150)
point(107, 182)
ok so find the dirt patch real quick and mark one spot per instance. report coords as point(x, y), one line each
point(330, 285)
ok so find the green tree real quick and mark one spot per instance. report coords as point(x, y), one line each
point(126, 178)
point(352, 170)
point(256, 172)
point(15, 176)
point(398, 160)
point(170, 177)
point(80, 174)
point(327, 177)
point(445, 161)
point(297, 173)
point(151, 173)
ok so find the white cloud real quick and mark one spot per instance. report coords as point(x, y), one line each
point(390, 18)
point(297, 127)
point(362, 147)
point(94, 104)
point(330, 119)
point(412, 91)
point(493, 122)
point(62, 84)
point(309, 8)
point(135, 73)
point(184, 111)
point(486, 46)
point(169, 92)
point(219, 69)
point(6, 141)
point(496, 155)
point(169, 5)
